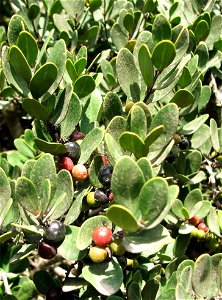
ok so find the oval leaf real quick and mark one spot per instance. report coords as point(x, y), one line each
point(163, 54)
point(35, 109)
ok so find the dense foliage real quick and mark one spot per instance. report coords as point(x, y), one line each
point(111, 149)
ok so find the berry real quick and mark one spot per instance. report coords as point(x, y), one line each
point(65, 163)
point(79, 172)
point(102, 236)
point(97, 254)
point(203, 226)
point(73, 150)
point(105, 174)
point(54, 293)
point(200, 234)
point(77, 135)
point(90, 199)
point(46, 251)
point(195, 220)
point(111, 197)
point(54, 232)
point(105, 159)
point(184, 144)
point(194, 232)
point(117, 248)
point(101, 197)
point(170, 158)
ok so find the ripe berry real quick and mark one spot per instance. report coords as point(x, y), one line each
point(105, 174)
point(46, 251)
point(65, 163)
point(77, 135)
point(54, 293)
point(90, 199)
point(117, 248)
point(184, 144)
point(54, 232)
point(73, 150)
point(170, 158)
point(102, 236)
point(105, 159)
point(203, 226)
point(111, 197)
point(101, 197)
point(97, 254)
point(195, 220)
point(79, 172)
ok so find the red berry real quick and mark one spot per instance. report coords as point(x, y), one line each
point(79, 172)
point(105, 159)
point(66, 163)
point(111, 197)
point(195, 220)
point(102, 236)
point(46, 251)
point(203, 226)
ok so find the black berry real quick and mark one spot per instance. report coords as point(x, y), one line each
point(73, 151)
point(105, 175)
point(184, 144)
point(101, 197)
point(170, 158)
point(54, 232)
point(46, 251)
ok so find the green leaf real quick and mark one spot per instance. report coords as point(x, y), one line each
point(73, 7)
point(28, 46)
point(161, 29)
point(168, 116)
point(106, 277)
point(5, 189)
point(68, 248)
point(182, 98)
point(116, 127)
point(43, 169)
point(128, 75)
point(128, 21)
point(84, 86)
point(132, 142)
point(35, 109)
point(23, 148)
point(146, 167)
point(202, 52)
point(153, 199)
point(43, 79)
point(214, 135)
point(113, 148)
point(148, 241)
point(91, 141)
point(53, 148)
point(212, 222)
point(126, 189)
point(64, 184)
point(122, 217)
point(192, 126)
point(57, 56)
point(43, 281)
point(33, 11)
point(84, 236)
point(215, 29)
point(72, 117)
point(26, 195)
point(25, 289)
point(138, 121)
point(112, 106)
point(185, 78)
point(119, 36)
point(163, 54)
point(134, 291)
point(201, 31)
point(146, 65)
point(15, 26)
point(153, 136)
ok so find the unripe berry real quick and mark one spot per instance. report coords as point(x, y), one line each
point(102, 236)
point(79, 172)
point(97, 254)
point(117, 248)
point(90, 199)
point(200, 234)
point(66, 163)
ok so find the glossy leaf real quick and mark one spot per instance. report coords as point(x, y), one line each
point(28, 46)
point(35, 109)
point(132, 142)
point(146, 66)
point(122, 217)
point(163, 54)
point(43, 79)
point(84, 85)
point(161, 29)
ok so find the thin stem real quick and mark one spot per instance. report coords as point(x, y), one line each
point(4, 278)
point(150, 90)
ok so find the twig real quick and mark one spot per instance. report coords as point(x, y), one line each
point(4, 278)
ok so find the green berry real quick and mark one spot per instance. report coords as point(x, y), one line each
point(117, 248)
point(97, 254)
